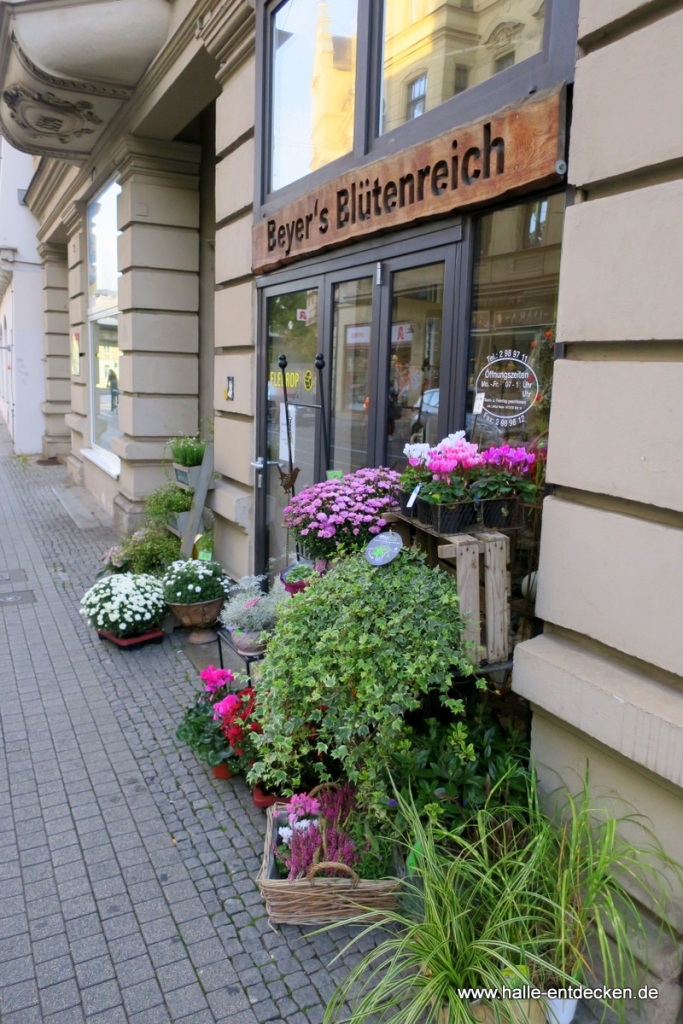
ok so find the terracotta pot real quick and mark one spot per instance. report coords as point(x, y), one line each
point(153, 636)
point(262, 799)
point(248, 641)
point(221, 771)
point(203, 613)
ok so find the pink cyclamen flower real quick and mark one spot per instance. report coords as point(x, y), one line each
point(226, 706)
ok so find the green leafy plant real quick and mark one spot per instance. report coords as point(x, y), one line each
point(349, 657)
point(165, 500)
point(451, 769)
point(150, 550)
point(300, 571)
point(187, 451)
point(192, 581)
point(513, 896)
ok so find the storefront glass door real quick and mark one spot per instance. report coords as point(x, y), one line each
point(292, 427)
point(383, 330)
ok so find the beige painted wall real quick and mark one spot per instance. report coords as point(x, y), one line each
point(606, 679)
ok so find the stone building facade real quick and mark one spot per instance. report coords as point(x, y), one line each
point(264, 209)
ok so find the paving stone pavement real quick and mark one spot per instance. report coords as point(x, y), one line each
point(126, 870)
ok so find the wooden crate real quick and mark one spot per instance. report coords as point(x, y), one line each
point(479, 562)
point(472, 556)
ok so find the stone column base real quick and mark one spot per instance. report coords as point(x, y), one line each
point(128, 515)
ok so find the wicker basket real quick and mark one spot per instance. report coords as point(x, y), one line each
point(316, 900)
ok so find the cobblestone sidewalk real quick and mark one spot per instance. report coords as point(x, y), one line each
point(126, 869)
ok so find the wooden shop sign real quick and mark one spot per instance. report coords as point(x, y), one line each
point(507, 153)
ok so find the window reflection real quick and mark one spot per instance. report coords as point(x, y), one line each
point(449, 47)
point(514, 308)
point(415, 359)
point(105, 381)
point(103, 250)
point(313, 92)
point(351, 374)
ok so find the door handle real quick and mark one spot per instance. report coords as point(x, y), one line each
point(259, 464)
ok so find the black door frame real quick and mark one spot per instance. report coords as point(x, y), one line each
point(451, 244)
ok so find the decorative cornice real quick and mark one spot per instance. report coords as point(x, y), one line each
point(228, 33)
point(50, 252)
point(117, 92)
point(73, 217)
point(153, 158)
point(5, 278)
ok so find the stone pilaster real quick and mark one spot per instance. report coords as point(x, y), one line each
point(78, 418)
point(158, 302)
point(57, 404)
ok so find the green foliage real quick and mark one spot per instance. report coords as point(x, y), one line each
point(450, 770)
point(187, 451)
point(202, 734)
point(349, 656)
point(168, 498)
point(300, 571)
point(509, 899)
point(502, 485)
point(149, 550)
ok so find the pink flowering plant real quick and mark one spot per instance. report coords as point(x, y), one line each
point(455, 470)
point(342, 514)
point(202, 726)
point(507, 471)
point(328, 828)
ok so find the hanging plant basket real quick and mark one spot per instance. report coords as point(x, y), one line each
point(318, 899)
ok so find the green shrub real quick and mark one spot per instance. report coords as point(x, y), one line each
point(164, 500)
point(150, 550)
point(187, 451)
point(349, 657)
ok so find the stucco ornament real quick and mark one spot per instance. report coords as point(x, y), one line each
point(44, 114)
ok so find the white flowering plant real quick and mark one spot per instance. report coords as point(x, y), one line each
point(126, 605)
point(192, 581)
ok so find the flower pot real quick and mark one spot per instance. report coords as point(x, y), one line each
point(221, 771)
point(203, 613)
point(427, 513)
point(262, 799)
point(457, 518)
point(560, 1011)
point(187, 477)
point(177, 522)
point(295, 587)
point(499, 513)
point(152, 636)
point(248, 641)
point(403, 498)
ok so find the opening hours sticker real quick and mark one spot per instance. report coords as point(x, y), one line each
point(509, 387)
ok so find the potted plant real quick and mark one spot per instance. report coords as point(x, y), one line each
point(445, 502)
point(504, 477)
point(149, 550)
point(202, 725)
point(298, 576)
point(342, 513)
point(250, 614)
point(322, 860)
point(516, 898)
point(126, 609)
point(346, 661)
point(195, 591)
point(187, 453)
point(169, 507)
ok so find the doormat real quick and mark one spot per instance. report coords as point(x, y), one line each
point(52, 461)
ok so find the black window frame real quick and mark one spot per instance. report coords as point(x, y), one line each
point(552, 65)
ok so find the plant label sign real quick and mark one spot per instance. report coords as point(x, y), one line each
point(383, 548)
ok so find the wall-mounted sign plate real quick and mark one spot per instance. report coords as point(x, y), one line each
point(383, 548)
